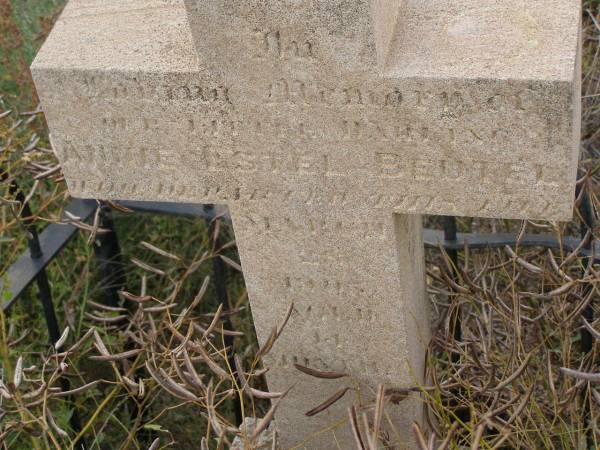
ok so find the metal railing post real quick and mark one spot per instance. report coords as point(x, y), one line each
point(450, 236)
point(45, 293)
point(110, 262)
point(42, 282)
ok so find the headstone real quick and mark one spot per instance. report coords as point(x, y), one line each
point(326, 127)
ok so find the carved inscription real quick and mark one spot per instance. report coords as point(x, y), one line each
point(275, 44)
point(308, 163)
point(314, 93)
point(419, 203)
point(401, 129)
point(394, 165)
point(389, 133)
point(292, 159)
point(305, 286)
point(102, 157)
point(411, 203)
point(219, 193)
point(136, 88)
point(327, 337)
point(302, 129)
point(203, 94)
point(318, 227)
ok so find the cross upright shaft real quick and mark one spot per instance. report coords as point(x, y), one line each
point(327, 137)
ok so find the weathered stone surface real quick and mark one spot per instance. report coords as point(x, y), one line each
point(479, 146)
point(450, 107)
point(470, 39)
point(322, 136)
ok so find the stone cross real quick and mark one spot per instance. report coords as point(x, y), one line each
point(327, 127)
